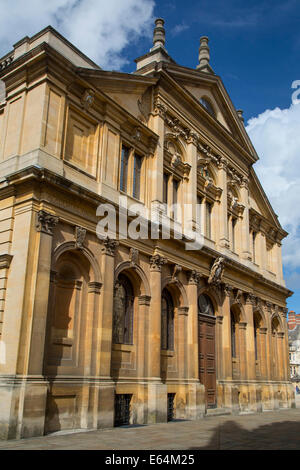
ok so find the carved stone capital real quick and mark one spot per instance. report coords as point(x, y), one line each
point(156, 262)
point(242, 325)
point(193, 138)
point(109, 246)
point(80, 234)
point(250, 298)
point(46, 222)
point(194, 278)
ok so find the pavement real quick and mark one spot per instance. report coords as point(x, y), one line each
point(272, 430)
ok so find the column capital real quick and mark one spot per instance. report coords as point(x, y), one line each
point(250, 298)
point(46, 222)
point(194, 277)
point(109, 246)
point(192, 138)
point(156, 262)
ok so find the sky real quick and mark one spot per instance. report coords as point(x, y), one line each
point(254, 47)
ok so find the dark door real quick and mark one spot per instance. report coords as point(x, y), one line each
point(122, 410)
point(207, 360)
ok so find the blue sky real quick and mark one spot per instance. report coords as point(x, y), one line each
point(255, 48)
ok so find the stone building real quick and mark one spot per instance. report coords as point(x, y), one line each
point(97, 331)
point(294, 348)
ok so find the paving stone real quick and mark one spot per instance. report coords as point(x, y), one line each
point(274, 430)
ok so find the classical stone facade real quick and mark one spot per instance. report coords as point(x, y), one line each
point(102, 331)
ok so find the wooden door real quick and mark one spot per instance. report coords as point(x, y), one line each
point(207, 357)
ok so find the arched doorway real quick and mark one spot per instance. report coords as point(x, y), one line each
point(207, 348)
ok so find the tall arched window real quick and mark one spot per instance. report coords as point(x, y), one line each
point(256, 325)
point(233, 335)
point(205, 305)
point(123, 311)
point(167, 321)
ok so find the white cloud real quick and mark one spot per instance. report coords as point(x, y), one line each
point(99, 28)
point(276, 137)
point(179, 28)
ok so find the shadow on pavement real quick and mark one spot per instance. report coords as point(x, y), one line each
point(274, 436)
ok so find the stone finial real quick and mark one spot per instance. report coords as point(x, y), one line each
point(204, 55)
point(240, 114)
point(159, 34)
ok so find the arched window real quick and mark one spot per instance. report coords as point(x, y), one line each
point(167, 321)
point(233, 335)
point(256, 325)
point(123, 311)
point(205, 305)
point(206, 104)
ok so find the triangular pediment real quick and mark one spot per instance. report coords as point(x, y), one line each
point(203, 85)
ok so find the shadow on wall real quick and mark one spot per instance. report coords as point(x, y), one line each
point(283, 435)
